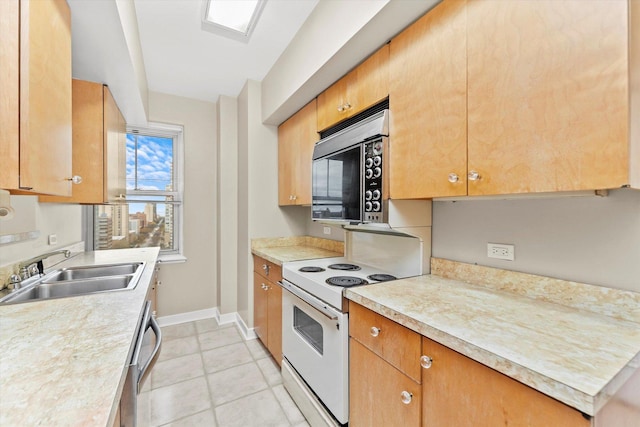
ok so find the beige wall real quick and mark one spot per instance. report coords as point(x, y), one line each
point(593, 240)
point(191, 285)
point(65, 221)
point(227, 204)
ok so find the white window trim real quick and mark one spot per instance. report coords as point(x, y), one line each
point(157, 129)
point(177, 132)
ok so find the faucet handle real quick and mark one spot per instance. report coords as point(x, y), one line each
point(15, 281)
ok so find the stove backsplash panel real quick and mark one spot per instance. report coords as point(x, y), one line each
point(399, 255)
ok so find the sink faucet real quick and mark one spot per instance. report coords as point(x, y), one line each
point(27, 268)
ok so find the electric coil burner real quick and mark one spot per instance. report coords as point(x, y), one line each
point(381, 277)
point(311, 269)
point(344, 267)
point(346, 281)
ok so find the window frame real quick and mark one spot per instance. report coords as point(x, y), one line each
point(164, 130)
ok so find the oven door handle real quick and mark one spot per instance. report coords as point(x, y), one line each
point(314, 302)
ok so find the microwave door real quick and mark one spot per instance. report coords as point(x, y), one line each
point(337, 185)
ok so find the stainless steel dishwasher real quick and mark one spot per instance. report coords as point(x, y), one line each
point(145, 353)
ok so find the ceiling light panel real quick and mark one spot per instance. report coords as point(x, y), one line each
point(232, 18)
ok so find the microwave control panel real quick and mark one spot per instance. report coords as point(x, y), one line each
point(373, 203)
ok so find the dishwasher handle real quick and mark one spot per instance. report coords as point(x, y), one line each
point(143, 369)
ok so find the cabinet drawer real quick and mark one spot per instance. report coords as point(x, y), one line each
point(391, 341)
point(267, 269)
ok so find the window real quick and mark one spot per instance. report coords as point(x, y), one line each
point(232, 18)
point(151, 215)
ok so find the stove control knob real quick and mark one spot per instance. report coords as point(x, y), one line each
point(368, 206)
point(376, 206)
point(369, 162)
point(368, 173)
point(376, 194)
point(375, 331)
point(377, 172)
point(377, 160)
point(368, 194)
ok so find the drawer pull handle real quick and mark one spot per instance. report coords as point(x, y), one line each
point(405, 396)
point(426, 362)
point(375, 331)
point(265, 267)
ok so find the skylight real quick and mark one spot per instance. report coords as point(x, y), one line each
point(232, 18)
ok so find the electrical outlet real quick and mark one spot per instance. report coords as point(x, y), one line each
point(53, 239)
point(327, 230)
point(501, 251)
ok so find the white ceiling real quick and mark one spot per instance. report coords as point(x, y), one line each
point(183, 59)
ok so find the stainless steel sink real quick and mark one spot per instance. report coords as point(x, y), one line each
point(76, 281)
point(75, 273)
point(71, 288)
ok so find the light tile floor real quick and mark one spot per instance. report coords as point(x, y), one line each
point(208, 376)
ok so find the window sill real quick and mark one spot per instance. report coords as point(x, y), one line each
point(171, 259)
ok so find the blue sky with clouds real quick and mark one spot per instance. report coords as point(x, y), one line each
point(153, 172)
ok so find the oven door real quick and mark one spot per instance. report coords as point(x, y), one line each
point(315, 339)
point(337, 186)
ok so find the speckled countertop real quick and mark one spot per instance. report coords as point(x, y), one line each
point(577, 355)
point(63, 361)
point(283, 249)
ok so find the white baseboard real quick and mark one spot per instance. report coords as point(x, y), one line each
point(222, 319)
point(190, 316)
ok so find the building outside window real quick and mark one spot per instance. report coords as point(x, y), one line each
point(152, 210)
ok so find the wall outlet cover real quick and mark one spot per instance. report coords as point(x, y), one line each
point(53, 239)
point(501, 251)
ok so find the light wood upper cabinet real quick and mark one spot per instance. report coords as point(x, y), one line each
point(458, 391)
point(360, 89)
point(35, 96)
point(296, 138)
point(99, 146)
point(427, 99)
point(548, 95)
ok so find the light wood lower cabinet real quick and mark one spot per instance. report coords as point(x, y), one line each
point(450, 390)
point(267, 305)
point(378, 391)
point(384, 377)
point(458, 391)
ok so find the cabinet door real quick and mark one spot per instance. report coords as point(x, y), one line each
point(548, 95)
point(458, 391)
point(45, 97)
point(114, 146)
point(260, 304)
point(372, 77)
point(376, 391)
point(296, 138)
point(274, 321)
point(333, 104)
point(9, 93)
point(428, 98)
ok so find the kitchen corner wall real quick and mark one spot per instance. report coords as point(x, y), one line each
point(594, 240)
point(191, 286)
point(258, 211)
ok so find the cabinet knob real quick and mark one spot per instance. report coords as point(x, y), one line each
point(264, 287)
point(76, 179)
point(453, 177)
point(426, 362)
point(347, 106)
point(340, 108)
point(474, 176)
point(265, 267)
point(375, 331)
point(406, 397)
